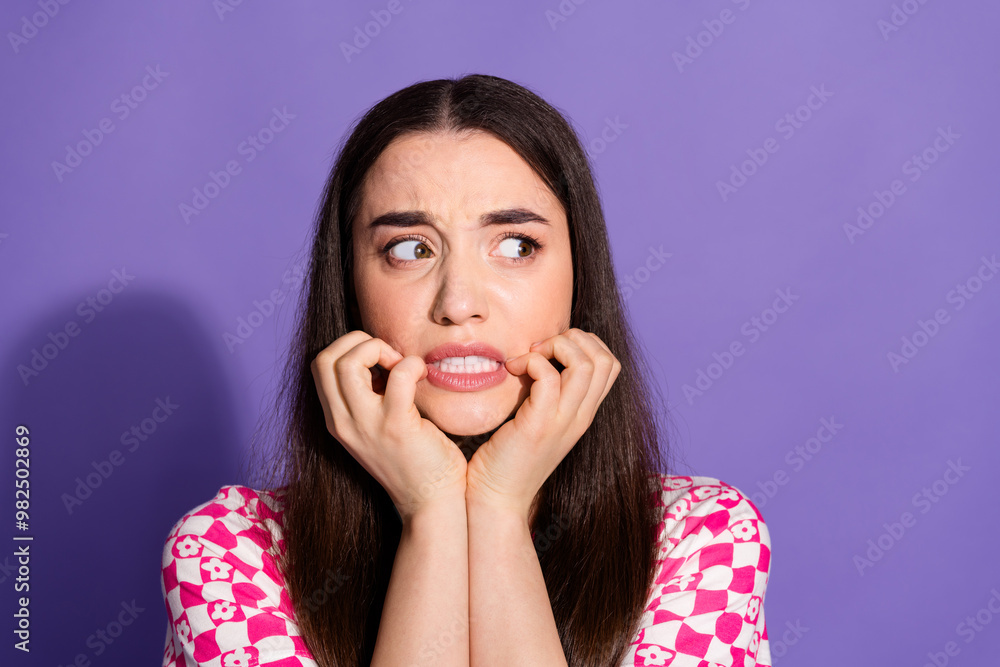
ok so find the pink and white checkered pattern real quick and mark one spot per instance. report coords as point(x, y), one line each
point(227, 605)
point(706, 608)
point(225, 598)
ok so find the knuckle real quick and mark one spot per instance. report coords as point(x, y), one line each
point(340, 364)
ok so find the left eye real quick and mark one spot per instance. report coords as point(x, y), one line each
point(519, 247)
point(406, 248)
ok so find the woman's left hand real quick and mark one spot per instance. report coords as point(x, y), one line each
point(507, 471)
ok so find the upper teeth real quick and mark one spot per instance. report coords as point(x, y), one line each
point(471, 364)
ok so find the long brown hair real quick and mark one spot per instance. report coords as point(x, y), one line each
point(597, 512)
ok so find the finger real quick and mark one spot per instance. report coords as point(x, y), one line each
point(606, 367)
point(322, 368)
point(590, 372)
point(598, 350)
point(578, 373)
point(597, 339)
point(546, 380)
point(337, 348)
point(401, 386)
point(324, 359)
point(576, 379)
point(354, 376)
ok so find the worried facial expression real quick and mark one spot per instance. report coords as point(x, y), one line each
point(458, 241)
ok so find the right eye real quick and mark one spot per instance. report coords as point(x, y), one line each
point(409, 250)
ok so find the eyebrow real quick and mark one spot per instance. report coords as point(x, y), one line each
point(507, 216)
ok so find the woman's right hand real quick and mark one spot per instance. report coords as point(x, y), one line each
point(413, 460)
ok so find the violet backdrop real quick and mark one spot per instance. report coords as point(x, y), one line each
point(814, 185)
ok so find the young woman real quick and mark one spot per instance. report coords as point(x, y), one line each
point(472, 466)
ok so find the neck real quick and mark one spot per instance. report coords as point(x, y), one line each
point(469, 444)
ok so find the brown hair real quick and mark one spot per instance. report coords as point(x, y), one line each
point(597, 512)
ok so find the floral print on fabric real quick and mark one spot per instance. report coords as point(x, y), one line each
point(227, 605)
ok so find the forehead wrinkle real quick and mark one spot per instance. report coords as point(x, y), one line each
point(448, 192)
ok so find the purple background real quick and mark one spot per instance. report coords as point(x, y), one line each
point(671, 133)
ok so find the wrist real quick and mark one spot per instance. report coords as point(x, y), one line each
point(496, 512)
point(440, 510)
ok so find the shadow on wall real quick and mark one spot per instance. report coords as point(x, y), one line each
point(131, 425)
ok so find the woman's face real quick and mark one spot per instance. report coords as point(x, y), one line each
point(457, 268)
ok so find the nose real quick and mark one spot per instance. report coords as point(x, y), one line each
point(462, 290)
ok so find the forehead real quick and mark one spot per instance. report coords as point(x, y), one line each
point(453, 175)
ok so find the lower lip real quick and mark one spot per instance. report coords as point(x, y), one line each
point(465, 381)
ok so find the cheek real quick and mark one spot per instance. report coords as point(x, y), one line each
point(388, 319)
point(375, 301)
point(558, 303)
point(537, 317)
point(393, 315)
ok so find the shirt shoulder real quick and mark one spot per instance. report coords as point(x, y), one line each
point(697, 494)
point(713, 566)
point(238, 509)
point(698, 509)
point(222, 586)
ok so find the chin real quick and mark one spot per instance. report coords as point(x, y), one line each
point(467, 413)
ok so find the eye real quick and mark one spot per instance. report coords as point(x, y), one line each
point(521, 246)
point(517, 247)
point(409, 249)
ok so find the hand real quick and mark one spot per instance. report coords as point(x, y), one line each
point(413, 460)
point(508, 470)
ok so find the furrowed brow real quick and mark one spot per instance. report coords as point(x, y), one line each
point(509, 216)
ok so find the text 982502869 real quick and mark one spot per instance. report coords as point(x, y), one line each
point(22, 505)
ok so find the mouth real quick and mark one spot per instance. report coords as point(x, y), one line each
point(465, 366)
point(465, 354)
